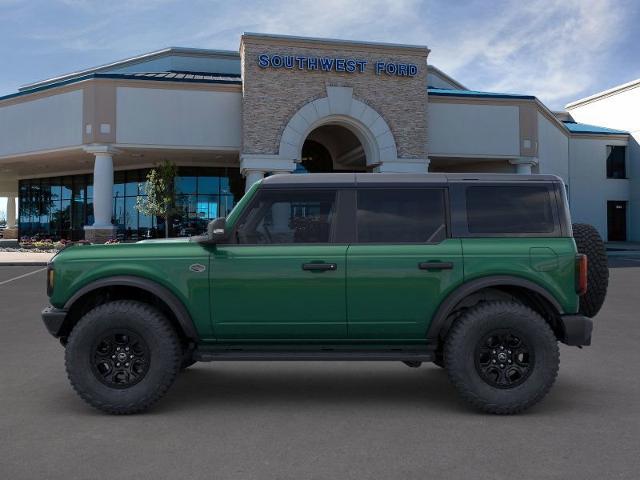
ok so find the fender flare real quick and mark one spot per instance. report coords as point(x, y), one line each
point(439, 322)
point(164, 294)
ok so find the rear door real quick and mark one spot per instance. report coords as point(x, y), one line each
point(402, 263)
point(284, 278)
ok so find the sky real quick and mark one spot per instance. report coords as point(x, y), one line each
point(557, 50)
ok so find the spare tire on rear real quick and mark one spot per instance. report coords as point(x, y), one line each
point(590, 243)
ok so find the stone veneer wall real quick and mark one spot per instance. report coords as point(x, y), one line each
point(271, 96)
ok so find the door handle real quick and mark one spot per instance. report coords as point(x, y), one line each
point(435, 265)
point(319, 267)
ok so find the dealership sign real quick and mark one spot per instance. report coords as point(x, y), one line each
point(336, 64)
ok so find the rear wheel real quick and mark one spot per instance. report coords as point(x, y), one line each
point(187, 361)
point(122, 357)
point(502, 357)
point(590, 243)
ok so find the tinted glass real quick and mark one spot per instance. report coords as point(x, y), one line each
point(209, 185)
point(185, 184)
point(509, 209)
point(289, 217)
point(401, 215)
point(616, 163)
point(59, 207)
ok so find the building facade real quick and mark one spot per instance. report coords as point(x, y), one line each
point(618, 108)
point(75, 149)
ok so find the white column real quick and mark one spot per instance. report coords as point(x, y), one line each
point(524, 164)
point(102, 190)
point(102, 229)
point(251, 177)
point(11, 212)
point(254, 166)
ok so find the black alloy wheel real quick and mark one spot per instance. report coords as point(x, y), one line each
point(120, 359)
point(504, 359)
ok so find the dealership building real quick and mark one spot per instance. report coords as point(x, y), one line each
point(74, 149)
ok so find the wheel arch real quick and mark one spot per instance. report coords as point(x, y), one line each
point(518, 287)
point(130, 286)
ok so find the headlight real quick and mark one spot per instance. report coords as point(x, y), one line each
point(51, 275)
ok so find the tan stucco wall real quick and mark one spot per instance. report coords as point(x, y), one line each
point(272, 96)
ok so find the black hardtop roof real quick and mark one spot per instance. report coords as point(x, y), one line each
point(395, 179)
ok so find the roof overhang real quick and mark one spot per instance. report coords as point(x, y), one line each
point(145, 57)
point(293, 40)
point(605, 93)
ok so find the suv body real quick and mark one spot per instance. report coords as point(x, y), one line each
point(344, 266)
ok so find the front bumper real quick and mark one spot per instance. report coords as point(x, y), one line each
point(576, 330)
point(53, 319)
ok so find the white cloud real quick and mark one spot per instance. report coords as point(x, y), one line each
point(348, 19)
point(547, 48)
point(554, 50)
point(557, 50)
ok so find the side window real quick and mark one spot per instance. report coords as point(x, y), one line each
point(509, 209)
point(410, 215)
point(289, 216)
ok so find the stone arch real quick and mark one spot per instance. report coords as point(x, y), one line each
point(340, 108)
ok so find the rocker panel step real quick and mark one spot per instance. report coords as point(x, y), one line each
point(313, 355)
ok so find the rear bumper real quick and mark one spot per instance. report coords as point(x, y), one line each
point(53, 319)
point(576, 330)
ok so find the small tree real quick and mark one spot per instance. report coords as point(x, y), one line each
point(160, 193)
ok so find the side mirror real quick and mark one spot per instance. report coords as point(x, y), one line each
point(216, 230)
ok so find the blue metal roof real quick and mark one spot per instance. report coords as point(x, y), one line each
point(188, 77)
point(175, 75)
point(575, 127)
point(445, 92)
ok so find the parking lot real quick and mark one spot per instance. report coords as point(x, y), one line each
point(320, 420)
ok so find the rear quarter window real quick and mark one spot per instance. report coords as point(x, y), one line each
point(509, 209)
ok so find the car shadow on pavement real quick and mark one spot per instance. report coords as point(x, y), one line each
point(254, 385)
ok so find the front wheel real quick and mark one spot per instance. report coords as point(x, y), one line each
point(502, 357)
point(122, 357)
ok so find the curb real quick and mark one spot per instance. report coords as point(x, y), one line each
point(623, 253)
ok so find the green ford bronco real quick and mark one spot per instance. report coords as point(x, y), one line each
point(480, 274)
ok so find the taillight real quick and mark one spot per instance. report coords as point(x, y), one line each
point(581, 274)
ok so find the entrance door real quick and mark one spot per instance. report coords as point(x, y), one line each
point(402, 264)
point(285, 277)
point(617, 221)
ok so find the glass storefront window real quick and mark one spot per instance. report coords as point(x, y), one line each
point(60, 207)
point(67, 188)
point(131, 185)
point(209, 185)
point(118, 184)
point(186, 185)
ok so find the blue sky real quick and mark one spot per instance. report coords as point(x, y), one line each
point(557, 50)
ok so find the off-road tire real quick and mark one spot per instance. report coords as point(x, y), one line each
point(187, 361)
point(590, 243)
point(461, 349)
point(148, 324)
point(438, 359)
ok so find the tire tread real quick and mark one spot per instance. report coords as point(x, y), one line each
point(454, 349)
point(163, 327)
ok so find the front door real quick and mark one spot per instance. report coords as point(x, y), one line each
point(402, 264)
point(617, 221)
point(284, 278)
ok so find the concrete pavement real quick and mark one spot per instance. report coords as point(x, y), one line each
point(331, 420)
point(24, 258)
